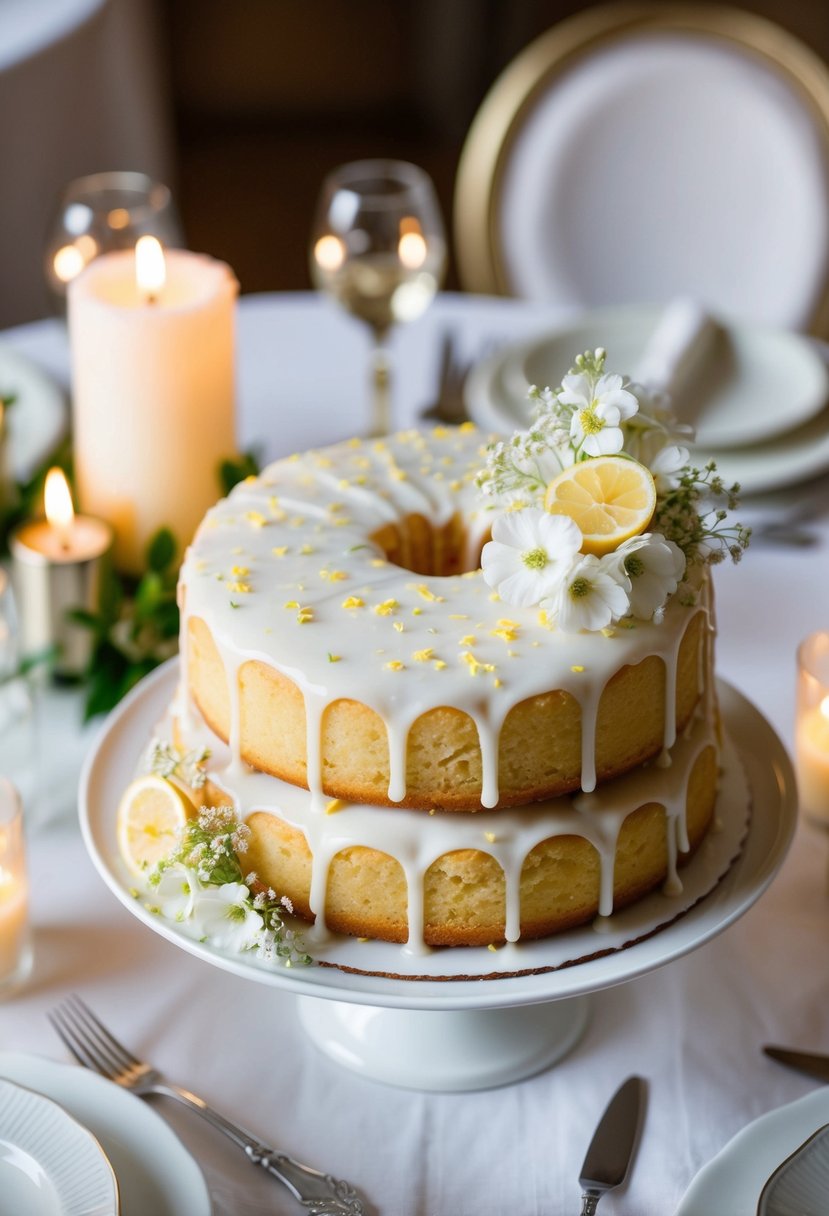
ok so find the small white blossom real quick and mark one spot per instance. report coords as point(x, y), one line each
point(176, 891)
point(224, 916)
point(529, 554)
point(590, 597)
point(667, 467)
point(653, 567)
point(600, 406)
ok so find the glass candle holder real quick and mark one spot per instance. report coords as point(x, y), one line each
point(101, 213)
point(16, 954)
point(812, 727)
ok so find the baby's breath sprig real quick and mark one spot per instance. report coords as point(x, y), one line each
point(704, 535)
point(520, 469)
point(165, 760)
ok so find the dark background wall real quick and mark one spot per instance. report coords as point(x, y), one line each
point(268, 95)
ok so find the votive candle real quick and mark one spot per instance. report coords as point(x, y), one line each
point(15, 935)
point(812, 727)
point(59, 564)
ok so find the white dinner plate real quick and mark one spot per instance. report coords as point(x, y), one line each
point(783, 460)
point(37, 420)
point(49, 1164)
point(156, 1175)
point(749, 384)
point(731, 1183)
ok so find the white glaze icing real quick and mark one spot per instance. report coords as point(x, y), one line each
point(416, 840)
point(274, 566)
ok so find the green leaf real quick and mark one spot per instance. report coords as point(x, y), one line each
point(232, 471)
point(149, 594)
point(161, 550)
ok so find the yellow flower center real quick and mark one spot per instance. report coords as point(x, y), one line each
point(535, 559)
point(589, 420)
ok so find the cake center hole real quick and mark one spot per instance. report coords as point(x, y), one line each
point(416, 544)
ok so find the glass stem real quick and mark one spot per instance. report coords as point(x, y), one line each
point(380, 390)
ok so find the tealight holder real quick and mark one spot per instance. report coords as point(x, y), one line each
point(812, 727)
point(16, 954)
point(59, 565)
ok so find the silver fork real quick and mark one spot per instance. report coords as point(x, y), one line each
point(96, 1048)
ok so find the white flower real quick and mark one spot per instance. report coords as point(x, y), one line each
point(529, 554)
point(175, 892)
point(654, 568)
point(600, 406)
point(590, 597)
point(667, 465)
point(224, 917)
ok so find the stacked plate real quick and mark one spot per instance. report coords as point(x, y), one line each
point(73, 1144)
point(758, 398)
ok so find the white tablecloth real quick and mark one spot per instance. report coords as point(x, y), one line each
point(693, 1028)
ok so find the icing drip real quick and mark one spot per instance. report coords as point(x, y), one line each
point(416, 840)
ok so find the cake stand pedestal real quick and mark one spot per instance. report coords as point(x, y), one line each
point(446, 1052)
point(464, 1019)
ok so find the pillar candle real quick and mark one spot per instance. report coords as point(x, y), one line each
point(153, 394)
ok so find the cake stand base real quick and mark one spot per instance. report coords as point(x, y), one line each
point(448, 1052)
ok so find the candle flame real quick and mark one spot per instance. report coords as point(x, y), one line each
point(411, 248)
point(58, 502)
point(824, 707)
point(329, 253)
point(150, 267)
point(68, 262)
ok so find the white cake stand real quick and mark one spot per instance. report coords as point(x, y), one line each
point(473, 1018)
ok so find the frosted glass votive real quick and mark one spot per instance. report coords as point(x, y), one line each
point(812, 727)
point(16, 955)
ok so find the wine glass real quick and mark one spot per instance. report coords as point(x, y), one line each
point(378, 248)
point(102, 212)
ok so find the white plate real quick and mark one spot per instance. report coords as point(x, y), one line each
point(38, 419)
point(666, 161)
point(731, 1183)
point(750, 384)
point(156, 1174)
point(111, 765)
point(800, 1186)
point(782, 461)
point(49, 1164)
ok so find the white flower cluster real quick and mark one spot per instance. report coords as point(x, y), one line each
point(535, 558)
point(202, 884)
point(592, 413)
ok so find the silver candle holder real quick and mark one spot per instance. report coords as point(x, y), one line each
point(59, 564)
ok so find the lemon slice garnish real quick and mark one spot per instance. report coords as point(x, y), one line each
point(151, 814)
point(611, 498)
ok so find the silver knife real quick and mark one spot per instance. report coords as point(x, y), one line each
point(612, 1147)
point(810, 1062)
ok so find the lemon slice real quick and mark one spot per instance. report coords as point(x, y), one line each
point(611, 498)
point(150, 815)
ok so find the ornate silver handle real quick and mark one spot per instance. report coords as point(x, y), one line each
point(320, 1194)
point(589, 1203)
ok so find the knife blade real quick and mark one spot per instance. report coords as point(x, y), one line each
point(611, 1150)
point(811, 1062)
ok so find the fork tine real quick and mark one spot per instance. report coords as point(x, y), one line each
point(123, 1057)
point(75, 1046)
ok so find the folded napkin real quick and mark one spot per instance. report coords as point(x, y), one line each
point(682, 340)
